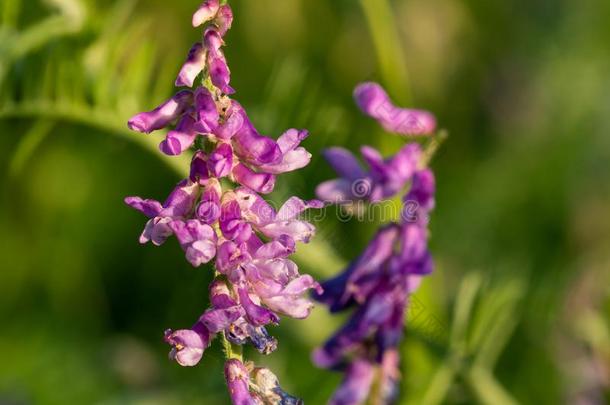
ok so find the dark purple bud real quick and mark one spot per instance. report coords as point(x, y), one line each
point(260, 339)
point(199, 168)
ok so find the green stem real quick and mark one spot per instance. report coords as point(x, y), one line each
point(433, 145)
point(230, 350)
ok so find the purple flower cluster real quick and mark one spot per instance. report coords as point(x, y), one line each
point(378, 283)
point(250, 241)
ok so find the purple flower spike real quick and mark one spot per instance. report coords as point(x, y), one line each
point(163, 115)
point(238, 381)
point(188, 345)
point(378, 283)
point(375, 102)
point(206, 11)
point(181, 138)
point(194, 64)
point(248, 240)
point(198, 240)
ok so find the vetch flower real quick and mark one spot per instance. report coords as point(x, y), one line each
point(188, 345)
point(375, 102)
point(163, 115)
point(377, 284)
point(384, 179)
point(178, 206)
point(192, 67)
point(218, 216)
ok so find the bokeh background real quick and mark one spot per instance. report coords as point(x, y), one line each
point(518, 308)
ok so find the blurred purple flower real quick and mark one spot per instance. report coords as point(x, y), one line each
point(384, 179)
point(375, 102)
point(378, 283)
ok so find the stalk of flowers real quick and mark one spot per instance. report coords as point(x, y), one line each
point(217, 213)
point(377, 284)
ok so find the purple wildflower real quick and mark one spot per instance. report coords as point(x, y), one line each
point(248, 241)
point(375, 102)
point(378, 283)
point(384, 179)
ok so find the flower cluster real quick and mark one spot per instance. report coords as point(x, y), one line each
point(249, 239)
point(378, 283)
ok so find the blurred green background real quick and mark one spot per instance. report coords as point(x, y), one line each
point(518, 308)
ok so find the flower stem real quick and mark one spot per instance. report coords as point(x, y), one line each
point(231, 351)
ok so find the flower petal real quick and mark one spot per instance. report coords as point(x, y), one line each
point(163, 115)
point(206, 11)
point(181, 138)
point(344, 163)
point(194, 64)
point(188, 345)
point(260, 182)
point(375, 102)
